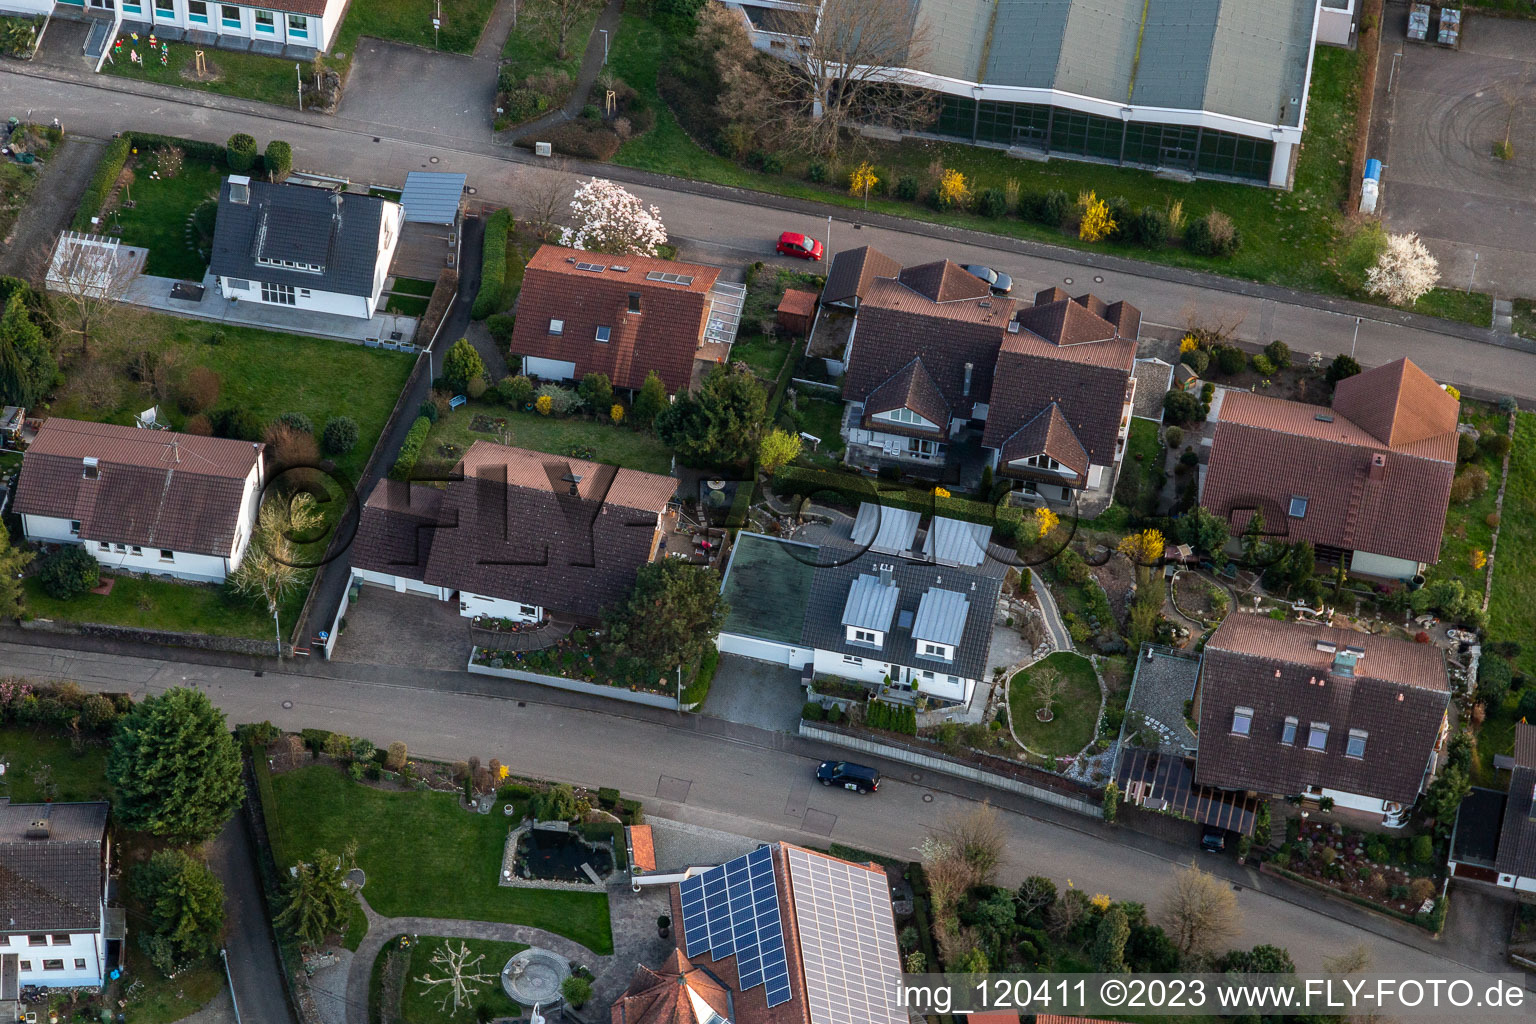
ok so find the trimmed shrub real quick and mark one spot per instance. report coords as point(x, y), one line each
point(462, 364)
point(410, 450)
point(240, 153)
point(111, 165)
point(813, 712)
point(1231, 359)
point(238, 424)
point(1494, 446)
point(493, 264)
point(992, 203)
point(1279, 353)
point(1263, 365)
point(1213, 235)
point(1173, 436)
point(1149, 228)
point(501, 325)
point(1343, 366)
point(908, 188)
point(1051, 209)
point(1180, 407)
point(69, 572)
point(339, 436)
point(1423, 848)
point(298, 421)
point(278, 159)
point(515, 391)
point(429, 410)
point(816, 172)
point(394, 759)
point(1197, 359)
point(1466, 447)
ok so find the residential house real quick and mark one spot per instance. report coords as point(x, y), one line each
point(878, 601)
point(1291, 709)
point(297, 29)
point(580, 312)
point(515, 534)
point(55, 925)
point(304, 247)
point(934, 359)
point(1495, 837)
point(1366, 481)
point(148, 501)
point(1140, 84)
point(853, 272)
point(783, 935)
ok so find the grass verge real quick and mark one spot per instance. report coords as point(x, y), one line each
point(249, 76)
point(1076, 709)
point(161, 1000)
point(424, 856)
point(144, 603)
point(410, 21)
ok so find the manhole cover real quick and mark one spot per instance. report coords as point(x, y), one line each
point(927, 798)
point(473, 191)
point(1067, 280)
point(917, 776)
point(1098, 280)
point(433, 159)
point(287, 704)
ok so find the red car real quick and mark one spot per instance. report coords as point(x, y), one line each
point(792, 243)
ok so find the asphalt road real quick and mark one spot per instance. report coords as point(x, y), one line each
point(744, 226)
point(755, 783)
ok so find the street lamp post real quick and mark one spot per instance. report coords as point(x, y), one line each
point(299, 76)
point(605, 44)
point(1355, 338)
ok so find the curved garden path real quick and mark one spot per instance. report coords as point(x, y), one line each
point(381, 929)
point(1061, 640)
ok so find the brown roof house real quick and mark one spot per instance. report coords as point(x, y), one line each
point(54, 861)
point(1495, 837)
point(580, 312)
point(1290, 709)
point(1366, 481)
point(783, 935)
point(515, 534)
point(935, 358)
point(150, 501)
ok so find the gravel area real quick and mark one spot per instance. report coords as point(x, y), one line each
point(1163, 683)
point(680, 845)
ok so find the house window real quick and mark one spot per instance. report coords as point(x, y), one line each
point(603, 334)
point(266, 23)
point(90, 471)
point(849, 659)
point(1298, 508)
point(557, 327)
point(863, 636)
point(922, 449)
point(904, 416)
point(167, 555)
point(1288, 732)
point(937, 650)
point(165, 8)
point(197, 10)
point(1042, 462)
point(634, 302)
point(1317, 736)
point(74, 527)
point(528, 609)
point(129, 8)
point(122, 549)
point(1356, 744)
point(103, 545)
point(79, 963)
point(61, 940)
point(1242, 721)
point(231, 15)
point(26, 965)
point(137, 551)
point(298, 25)
point(37, 940)
point(53, 965)
point(280, 294)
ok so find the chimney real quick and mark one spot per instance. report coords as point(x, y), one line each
point(574, 480)
point(1378, 465)
point(240, 189)
point(968, 368)
point(39, 829)
point(885, 576)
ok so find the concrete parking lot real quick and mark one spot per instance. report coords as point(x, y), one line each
point(1446, 109)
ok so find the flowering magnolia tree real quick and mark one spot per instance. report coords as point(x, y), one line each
point(1404, 271)
point(612, 220)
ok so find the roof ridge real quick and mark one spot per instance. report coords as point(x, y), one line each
point(1334, 440)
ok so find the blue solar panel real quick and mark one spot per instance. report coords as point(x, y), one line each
point(733, 909)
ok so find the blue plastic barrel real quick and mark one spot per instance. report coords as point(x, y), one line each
point(1373, 170)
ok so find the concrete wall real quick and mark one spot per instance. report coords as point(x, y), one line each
point(764, 650)
point(1335, 25)
point(654, 700)
point(1368, 804)
point(402, 584)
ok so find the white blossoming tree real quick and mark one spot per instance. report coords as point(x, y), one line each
point(1404, 271)
point(612, 220)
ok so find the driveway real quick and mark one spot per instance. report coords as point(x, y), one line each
point(1447, 109)
point(448, 92)
point(386, 628)
point(756, 693)
point(253, 962)
point(50, 207)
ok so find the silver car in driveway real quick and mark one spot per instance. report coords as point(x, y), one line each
point(999, 282)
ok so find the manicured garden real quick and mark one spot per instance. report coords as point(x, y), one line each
point(424, 856)
point(534, 79)
point(618, 445)
point(145, 603)
point(1074, 704)
point(44, 766)
point(251, 76)
point(172, 214)
point(419, 1003)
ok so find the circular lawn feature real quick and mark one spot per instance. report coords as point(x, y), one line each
point(1075, 711)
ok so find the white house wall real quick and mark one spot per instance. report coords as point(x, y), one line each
point(764, 650)
point(1360, 802)
point(311, 299)
point(88, 947)
point(32, 7)
point(390, 224)
point(549, 369)
point(317, 30)
point(182, 564)
point(471, 605)
point(402, 584)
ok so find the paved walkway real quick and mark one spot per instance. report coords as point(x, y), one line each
point(1060, 638)
point(591, 66)
point(49, 208)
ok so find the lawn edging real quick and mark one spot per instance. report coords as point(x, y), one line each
point(654, 700)
point(161, 637)
point(937, 762)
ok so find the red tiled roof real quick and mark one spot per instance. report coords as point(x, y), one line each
point(943, 281)
point(664, 336)
point(661, 995)
point(853, 271)
point(152, 488)
point(1361, 494)
point(642, 847)
point(1047, 434)
point(1398, 404)
point(1397, 695)
point(797, 303)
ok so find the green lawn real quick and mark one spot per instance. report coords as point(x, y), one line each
point(823, 418)
point(616, 446)
point(407, 305)
point(159, 217)
point(423, 855)
point(1139, 470)
point(161, 1000)
point(410, 21)
point(1523, 317)
point(1077, 708)
point(1455, 304)
point(531, 52)
point(158, 604)
point(1512, 611)
point(247, 75)
point(411, 286)
point(763, 353)
point(42, 766)
point(1466, 524)
point(357, 928)
point(419, 1004)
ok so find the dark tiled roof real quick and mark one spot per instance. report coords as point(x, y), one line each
point(1517, 839)
point(508, 528)
point(943, 281)
point(1397, 695)
point(339, 231)
point(1398, 404)
point(854, 270)
point(897, 324)
point(152, 488)
point(664, 336)
point(396, 529)
point(1068, 322)
point(1361, 494)
point(52, 884)
point(912, 388)
point(1048, 434)
point(1525, 745)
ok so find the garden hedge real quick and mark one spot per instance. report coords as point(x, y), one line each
point(410, 450)
point(240, 153)
point(111, 165)
point(194, 150)
point(798, 481)
point(696, 691)
point(493, 265)
point(278, 159)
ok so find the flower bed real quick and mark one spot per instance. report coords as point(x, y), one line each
point(493, 624)
point(582, 656)
point(1397, 874)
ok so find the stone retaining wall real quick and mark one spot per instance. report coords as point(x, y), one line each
point(163, 637)
point(654, 700)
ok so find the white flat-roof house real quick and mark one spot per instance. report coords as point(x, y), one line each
point(149, 501)
point(295, 29)
point(1212, 88)
point(304, 247)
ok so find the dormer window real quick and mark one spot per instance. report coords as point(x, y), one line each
point(863, 636)
point(905, 416)
point(90, 470)
point(1042, 462)
point(1242, 721)
point(557, 327)
point(1298, 509)
point(603, 334)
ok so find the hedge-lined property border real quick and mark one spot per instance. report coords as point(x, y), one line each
point(800, 481)
point(410, 449)
point(112, 160)
point(493, 264)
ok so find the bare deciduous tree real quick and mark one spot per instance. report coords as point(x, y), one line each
point(848, 71)
point(978, 838)
point(1355, 960)
point(1199, 912)
point(547, 197)
point(90, 284)
point(269, 570)
point(1048, 684)
point(558, 17)
point(458, 972)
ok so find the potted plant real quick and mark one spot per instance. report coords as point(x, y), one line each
point(664, 926)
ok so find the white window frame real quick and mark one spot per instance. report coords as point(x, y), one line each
point(850, 659)
point(1291, 510)
point(1288, 731)
point(277, 294)
point(604, 335)
point(905, 415)
point(1356, 736)
point(864, 636)
point(1314, 730)
point(167, 555)
point(556, 327)
point(1242, 717)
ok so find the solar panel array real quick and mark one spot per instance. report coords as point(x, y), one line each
point(847, 937)
point(666, 278)
point(734, 909)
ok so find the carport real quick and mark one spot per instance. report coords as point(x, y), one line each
point(433, 197)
